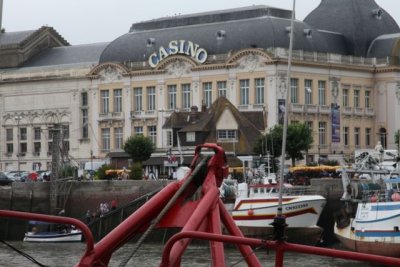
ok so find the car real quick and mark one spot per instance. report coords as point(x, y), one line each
point(4, 180)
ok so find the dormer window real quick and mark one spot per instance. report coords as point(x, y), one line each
point(308, 33)
point(151, 42)
point(377, 13)
point(221, 34)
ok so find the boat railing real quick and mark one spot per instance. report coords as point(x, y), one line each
point(379, 195)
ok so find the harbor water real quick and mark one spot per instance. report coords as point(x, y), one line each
point(69, 254)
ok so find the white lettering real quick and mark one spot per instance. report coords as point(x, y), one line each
point(179, 47)
point(173, 47)
point(153, 60)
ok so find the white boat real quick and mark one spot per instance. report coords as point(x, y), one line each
point(256, 207)
point(72, 236)
point(47, 232)
point(369, 221)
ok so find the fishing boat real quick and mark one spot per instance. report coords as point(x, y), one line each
point(256, 204)
point(369, 221)
point(51, 233)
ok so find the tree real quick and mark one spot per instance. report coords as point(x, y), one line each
point(139, 147)
point(299, 138)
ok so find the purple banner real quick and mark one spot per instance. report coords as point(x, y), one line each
point(335, 117)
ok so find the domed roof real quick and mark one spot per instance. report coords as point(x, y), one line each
point(360, 21)
point(222, 35)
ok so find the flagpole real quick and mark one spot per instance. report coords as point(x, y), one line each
point(280, 220)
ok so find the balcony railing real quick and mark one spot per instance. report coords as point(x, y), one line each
point(359, 111)
point(324, 109)
point(348, 110)
point(310, 108)
point(369, 112)
point(296, 108)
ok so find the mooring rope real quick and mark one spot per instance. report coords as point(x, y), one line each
point(26, 255)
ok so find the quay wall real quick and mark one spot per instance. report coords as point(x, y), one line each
point(87, 195)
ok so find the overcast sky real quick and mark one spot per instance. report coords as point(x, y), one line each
point(92, 21)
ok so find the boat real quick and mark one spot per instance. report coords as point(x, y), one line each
point(51, 233)
point(256, 204)
point(200, 217)
point(369, 221)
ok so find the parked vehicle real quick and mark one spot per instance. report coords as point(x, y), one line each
point(4, 180)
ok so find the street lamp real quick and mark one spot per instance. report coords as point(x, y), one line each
point(18, 119)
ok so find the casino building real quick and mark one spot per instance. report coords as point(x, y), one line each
point(218, 76)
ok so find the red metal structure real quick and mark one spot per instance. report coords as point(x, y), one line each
point(199, 219)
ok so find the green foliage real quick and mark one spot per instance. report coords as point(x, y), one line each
point(139, 147)
point(299, 139)
point(101, 172)
point(67, 171)
point(136, 171)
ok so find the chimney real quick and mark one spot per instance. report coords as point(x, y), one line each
point(194, 114)
point(203, 106)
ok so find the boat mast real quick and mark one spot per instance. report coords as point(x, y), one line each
point(285, 122)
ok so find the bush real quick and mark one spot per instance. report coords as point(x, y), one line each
point(136, 171)
point(101, 172)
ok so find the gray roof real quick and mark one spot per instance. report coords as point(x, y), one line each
point(360, 21)
point(384, 46)
point(10, 38)
point(68, 55)
point(261, 32)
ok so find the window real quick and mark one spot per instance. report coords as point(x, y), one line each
point(171, 96)
point(259, 90)
point(138, 130)
point(368, 137)
point(23, 148)
point(85, 124)
point(151, 98)
point(309, 124)
point(137, 99)
point(36, 147)
point(152, 130)
point(9, 134)
point(169, 138)
point(207, 93)
point(65, 131)
point(221, 86)
point(190, 136)
point(357, 136)
point(346, 136)
point(321, 93)
point(244, 92)
point(186, 96)
point(37, 133)
point(105, 139)
point(84, 99)
point(10, 148)
point(22, 134)
point(367, 99)
point(117, 100)
point(294, 90)
point(308, 92)
point(118, 138)
point(345, 97)
point(226, 135)
point(322, 132)
point(104, 95)
point(356, 98)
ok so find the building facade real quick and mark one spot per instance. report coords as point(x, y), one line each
point(344, 83)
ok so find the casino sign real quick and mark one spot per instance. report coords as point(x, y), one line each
point(181, 47)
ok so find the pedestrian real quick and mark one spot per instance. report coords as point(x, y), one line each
point(152, 176)
point(88, 216)
point(114, 204)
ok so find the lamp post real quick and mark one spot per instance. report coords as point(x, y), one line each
point(18, 119)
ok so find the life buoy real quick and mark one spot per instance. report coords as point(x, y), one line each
point(250, 212)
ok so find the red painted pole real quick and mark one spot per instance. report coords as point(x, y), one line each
point(194, 222)
point(129, 227)
point(217, 248)
point(234, 230)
